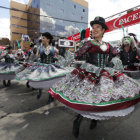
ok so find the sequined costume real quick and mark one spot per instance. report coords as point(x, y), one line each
point(95, 90)
point(9, 66)
point(45, 69)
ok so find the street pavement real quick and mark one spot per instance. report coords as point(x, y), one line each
point(23, 117)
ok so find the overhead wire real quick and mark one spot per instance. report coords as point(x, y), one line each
point(15, 9)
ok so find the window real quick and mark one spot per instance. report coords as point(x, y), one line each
point(82, 17)
point(75, 6)
point(26, 19)
point(16, 33)
point(83, 10)
point(62, 11)
point(19, 26)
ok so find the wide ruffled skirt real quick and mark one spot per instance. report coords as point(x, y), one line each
point(94, 92)
point(8, 70)
point(40, 72)
point(42, 75)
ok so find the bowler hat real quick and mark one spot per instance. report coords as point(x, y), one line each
point(99, 20)
point(47, 35)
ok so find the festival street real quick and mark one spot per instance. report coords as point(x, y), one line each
point(69, 70)
point(23, 117)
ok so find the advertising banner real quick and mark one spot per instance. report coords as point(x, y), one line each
point(126, 20)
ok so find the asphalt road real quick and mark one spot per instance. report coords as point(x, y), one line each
point(23, 117)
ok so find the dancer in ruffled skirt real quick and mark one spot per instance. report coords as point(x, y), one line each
point(97, 90)
point(9, 67)
point(45, 72)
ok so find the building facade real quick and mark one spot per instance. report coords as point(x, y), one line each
point(23, 22)
point(34, 19)
point(62, 18)
point(18, 22)
point(69, 16)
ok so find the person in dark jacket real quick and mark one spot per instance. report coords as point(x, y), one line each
point(128, 54)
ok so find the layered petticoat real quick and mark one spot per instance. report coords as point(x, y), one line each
point(105, 115)
point(39, 72)
point(9, 68)
point(92, 89)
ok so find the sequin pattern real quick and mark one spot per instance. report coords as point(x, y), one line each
point(106, 89)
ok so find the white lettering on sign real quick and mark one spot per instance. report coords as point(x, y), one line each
point(76, 37)
point(136, 16)
point(126, 20)
point(129, 19)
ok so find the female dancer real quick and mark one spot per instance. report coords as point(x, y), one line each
point(95, 90)
point(42, 74)
point(9, 67)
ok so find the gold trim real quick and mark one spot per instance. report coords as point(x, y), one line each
point(81, 2)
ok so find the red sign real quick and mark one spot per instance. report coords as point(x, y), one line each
point(76, 37)
point(87, 33)
point(2, 47)
point(126, 20)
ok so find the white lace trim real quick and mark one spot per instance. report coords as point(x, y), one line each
point(106, 114)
